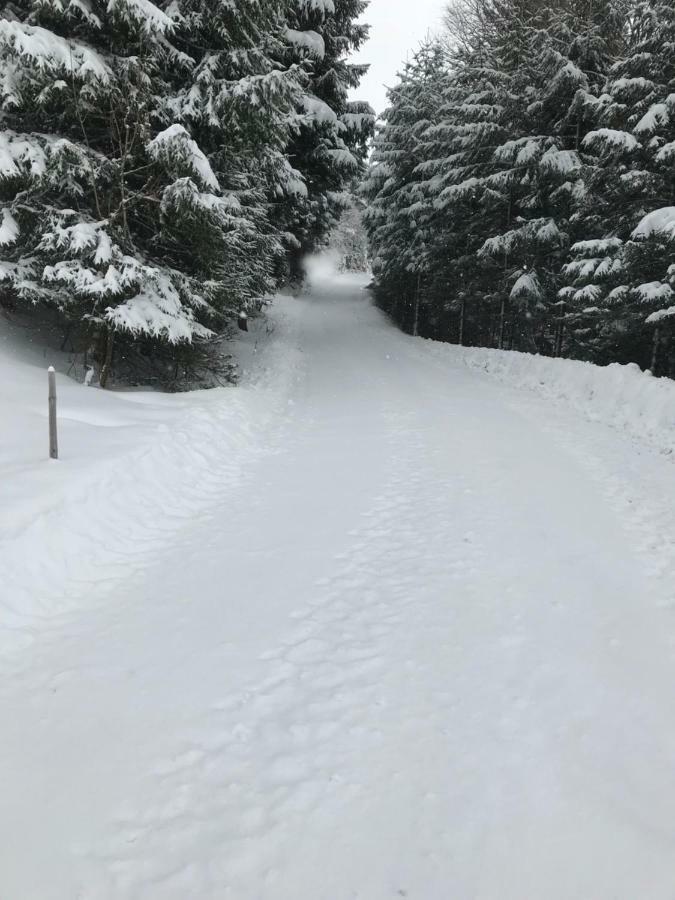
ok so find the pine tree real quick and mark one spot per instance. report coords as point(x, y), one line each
point(624, 271)
point(330, 145)
point(398, 235)
point(143, 151)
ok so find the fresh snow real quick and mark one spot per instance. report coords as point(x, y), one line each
point(48, 51)
point(309, 41)
point(390, 619)
point(175, 142)
point(9, 228)
point(660, 221)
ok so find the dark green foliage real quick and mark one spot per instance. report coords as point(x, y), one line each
point(544, 127)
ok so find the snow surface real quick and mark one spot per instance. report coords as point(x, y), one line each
point(390, 619)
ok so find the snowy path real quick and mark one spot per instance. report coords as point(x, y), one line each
point(423, 646)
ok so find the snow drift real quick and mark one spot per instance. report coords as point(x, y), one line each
point(622, 396)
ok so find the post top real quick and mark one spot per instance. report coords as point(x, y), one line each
point(51, 369)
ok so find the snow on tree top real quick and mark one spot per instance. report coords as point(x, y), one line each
point(658, 116)
point(660, 314)
point(174, 145)
point(310, 41)
point(318, 111)
point(562, 162)
point(601, 245)
point(20, 151)
point(52, 53)
point(654, 291)
point(632, 85)
point(660, 221)
point(610, 137)
point(667, 153)
point(80, 237)
point(570, 73)
point(527, 285)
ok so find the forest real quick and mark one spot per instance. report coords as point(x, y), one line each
point(521, 191)
point(164, 167)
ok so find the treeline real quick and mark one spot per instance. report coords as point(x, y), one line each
point(522, 186)
point(165, 165)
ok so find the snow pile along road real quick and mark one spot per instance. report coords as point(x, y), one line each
point(134, 469)
point(622, 396)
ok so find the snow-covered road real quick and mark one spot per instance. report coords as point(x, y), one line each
point(419, 642)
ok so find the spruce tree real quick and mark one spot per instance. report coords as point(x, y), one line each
point(330, 145)
point(144, 147)
point(625, 271)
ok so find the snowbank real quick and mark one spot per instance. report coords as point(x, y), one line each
point(621, 396)
point(134, 467)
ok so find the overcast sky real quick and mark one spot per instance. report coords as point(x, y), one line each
point(397, 27)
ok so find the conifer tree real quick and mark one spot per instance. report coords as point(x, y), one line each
point(144, 149)
point(620, 280)
point(330, 145)
point(397, 232)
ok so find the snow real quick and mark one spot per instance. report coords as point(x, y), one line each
point(89, 237)
point(53, 53)
point(611, 138)
point(660, 221)
point(156, 310)
point(390, 619)
point(619, 396)
point(21, 149)
point(309, 41)
point(660, 315)
point(657, 116)
point(318, 111)
point(174, 142)
point(9, 228)
point(562, 162)
point(526, 285)
point(654, 291)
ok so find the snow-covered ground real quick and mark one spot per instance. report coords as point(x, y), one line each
point(373, 625)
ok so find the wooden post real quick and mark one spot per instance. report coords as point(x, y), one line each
point(53, 441)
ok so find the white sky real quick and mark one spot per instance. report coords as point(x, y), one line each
point(397, 27)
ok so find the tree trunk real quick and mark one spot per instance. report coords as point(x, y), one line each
point(655, 349)
point(417, 304)
point(105, 369)
point(560, 331)
point(462, 319)
point(502, 323)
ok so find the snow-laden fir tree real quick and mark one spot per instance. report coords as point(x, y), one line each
point(330, 145)
point(621, 277)
point(144, 147)
point(510, 171)
point(398, 233)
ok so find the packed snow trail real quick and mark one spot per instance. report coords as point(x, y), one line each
point(422, 646)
